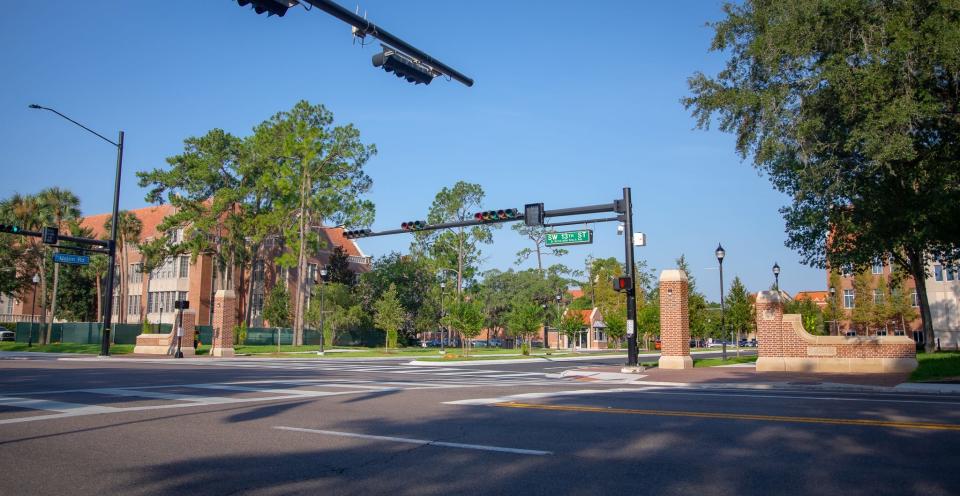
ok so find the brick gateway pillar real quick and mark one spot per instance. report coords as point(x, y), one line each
point(674, 321)
point(224, 318)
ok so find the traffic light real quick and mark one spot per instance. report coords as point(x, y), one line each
point(622, 284)
point(10, 228)
point(495, 215)
point(404, 66)
point(413, 225)
point(50, 235)
point(271, 7)
point(356, 233)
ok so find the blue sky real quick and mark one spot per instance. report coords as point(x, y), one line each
point(570, 105)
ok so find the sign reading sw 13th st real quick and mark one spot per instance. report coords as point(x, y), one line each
point(580, 237)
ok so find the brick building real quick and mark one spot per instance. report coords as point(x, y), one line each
point(180, 278)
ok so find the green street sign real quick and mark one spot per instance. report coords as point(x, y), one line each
point(581, 237)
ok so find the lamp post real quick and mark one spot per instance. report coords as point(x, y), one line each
point(33, 316)
point(559, 296)
point(833, 301)
point(323, 281)
point(160, 324)
point(442, 286)
point(544, 306)
point(776, 278)
point(723, 309)
point(112, 248)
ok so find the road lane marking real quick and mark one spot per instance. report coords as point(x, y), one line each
point(55, 406)
point(735, 416)
point(425, 442)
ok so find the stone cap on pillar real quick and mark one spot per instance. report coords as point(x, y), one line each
point(768, 297)
point(224, 293)
point(668, 275)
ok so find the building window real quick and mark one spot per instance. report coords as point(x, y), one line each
point(877, 296)
point(847, 298)
point(598, 335)
point(256, 304)
point(135, 274)
point(184, 271)
point(938, 272)
point(877, 268)
point(846, 270)
point(914, 299)
point(312, 272)
point(951, 273)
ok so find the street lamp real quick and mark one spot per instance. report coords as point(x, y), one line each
point(33, 317)
point(108, 307)
point(323, 280)
point(776, 277)
point(443, 285)
point(833, 296)
point(559, 296)
point(723, 310)
point(544, 306)
point(160, 324)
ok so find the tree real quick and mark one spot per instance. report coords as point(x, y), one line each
point(833, 312)
point(276, 308)
point(862, 314)
point(901, 306)
point(524, 320)
point(340, 309)
point(389, 316)
point(77, 293)
point(811, 317)
point(851, 108)
point(616, 326)
point(740, 313)
point(61, 205)
point(571, 325)
point(538, 235)
point(28, 212)
point(466, 316)
point(414, 283)
point(339, 267)
point(129, 228)
point(457, 247)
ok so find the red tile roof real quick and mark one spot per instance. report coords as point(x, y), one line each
point(575, 293)
point(815, 296)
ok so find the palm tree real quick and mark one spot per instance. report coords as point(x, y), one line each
point(61, 205)
point(128, 232)
point(98, 270)
point(27, 211)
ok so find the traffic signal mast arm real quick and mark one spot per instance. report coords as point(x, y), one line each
point(87, 241)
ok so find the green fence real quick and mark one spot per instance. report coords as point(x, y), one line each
point(81, 332)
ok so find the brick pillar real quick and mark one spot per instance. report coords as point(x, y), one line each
point(770, 350)
point(189, 328)
point(674, 321)
point(224, 318)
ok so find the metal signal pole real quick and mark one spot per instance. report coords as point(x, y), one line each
point(632, 351)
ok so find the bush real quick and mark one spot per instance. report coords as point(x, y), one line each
point(525, 349)
point(240, 334)
point(146, 328)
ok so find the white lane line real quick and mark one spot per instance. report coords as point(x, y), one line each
point(424, 442)
point(55, 406)
point(504, 399)
point(208, 400)
point(287, 392)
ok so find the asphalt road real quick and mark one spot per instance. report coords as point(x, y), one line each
point(254, 426)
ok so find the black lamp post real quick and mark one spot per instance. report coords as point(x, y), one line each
point(723, 311)
point(559, 296)
point(833, 296)
point(544, 306)
point(33, 317)
point(776, 278)
point(442, 286)
point(108, 306)
point(323, 281)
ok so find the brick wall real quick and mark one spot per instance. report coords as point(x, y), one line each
point(674, 321)
point(783, 344)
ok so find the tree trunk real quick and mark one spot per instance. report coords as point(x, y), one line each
point(919, 272)
point(144, 298)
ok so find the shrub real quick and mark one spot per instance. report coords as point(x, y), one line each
point(146, 328)
point(240, 334)
point(525, 349)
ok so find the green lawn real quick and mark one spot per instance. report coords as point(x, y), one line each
point(713, 362)
point(92, 349)
point(937, 366)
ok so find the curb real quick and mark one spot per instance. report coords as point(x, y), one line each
point(462, 363)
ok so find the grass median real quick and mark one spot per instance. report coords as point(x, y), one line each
point(90, 349)
point(940, 366)
point(716, 362)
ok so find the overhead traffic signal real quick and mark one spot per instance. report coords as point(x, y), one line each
point(495, 215)
point(413, 225)
point(622, 284)
point(404, 66)
point(356, 233)
point(50, 235)
point(10, 228)
point(271, 7)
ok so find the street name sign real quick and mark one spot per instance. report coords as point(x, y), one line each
point(67, 258)
point(580, 237)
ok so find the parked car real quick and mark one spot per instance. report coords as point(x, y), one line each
point(478, 343)
point(495, 343)
point(6, 335)
point(433, 343)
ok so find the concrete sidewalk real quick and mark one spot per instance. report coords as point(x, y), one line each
point(749, 378)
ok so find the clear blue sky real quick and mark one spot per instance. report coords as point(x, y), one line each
point(570, 104)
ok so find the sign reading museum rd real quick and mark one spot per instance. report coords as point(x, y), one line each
point(581, 237)
point(67, 258)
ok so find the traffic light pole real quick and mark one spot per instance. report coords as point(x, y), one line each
point(632, 352)
point(112, 248)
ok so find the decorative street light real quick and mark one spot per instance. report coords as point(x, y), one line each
point(723, 329)
point(33, 318)
point(559, 296)
point(833, 296)
point(108, 306)
point(776, 277)
point(323, 280)
point(544, 306)
point(160, 324)
point(443, 285)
